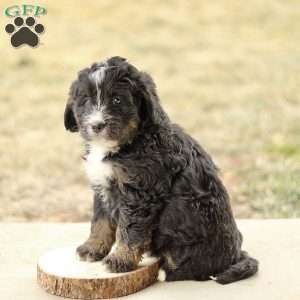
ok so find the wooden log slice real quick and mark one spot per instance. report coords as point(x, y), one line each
point(61, 273)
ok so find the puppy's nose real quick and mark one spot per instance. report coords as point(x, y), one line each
point(98, 127)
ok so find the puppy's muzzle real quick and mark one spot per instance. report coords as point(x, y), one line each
point(97, 128)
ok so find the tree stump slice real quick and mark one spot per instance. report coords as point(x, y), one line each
point(61, 273)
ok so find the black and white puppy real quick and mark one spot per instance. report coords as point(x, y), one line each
point(155, 188)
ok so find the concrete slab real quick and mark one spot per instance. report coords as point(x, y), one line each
point(275, 243)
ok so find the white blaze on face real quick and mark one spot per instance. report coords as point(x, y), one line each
point(96, 117)
point(98, 77)
point(99, 74)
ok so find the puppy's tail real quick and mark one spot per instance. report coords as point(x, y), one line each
point(244, 268)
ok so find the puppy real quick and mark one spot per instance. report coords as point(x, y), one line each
point(155, 188)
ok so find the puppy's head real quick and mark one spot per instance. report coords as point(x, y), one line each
point(111, 101)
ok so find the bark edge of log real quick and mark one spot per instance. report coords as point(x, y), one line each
point(98, 288)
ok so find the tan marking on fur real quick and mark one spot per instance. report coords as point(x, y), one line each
point(103, 230)
point(131, 254)
point(102, 236)
point(120, 175)
point(129, 131)
point(133, 124)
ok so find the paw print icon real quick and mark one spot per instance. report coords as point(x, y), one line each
point(24, 32)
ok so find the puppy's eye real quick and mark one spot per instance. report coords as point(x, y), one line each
point(116, 100)
point(84, 100)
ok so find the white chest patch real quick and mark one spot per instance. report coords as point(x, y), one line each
point(98, 171)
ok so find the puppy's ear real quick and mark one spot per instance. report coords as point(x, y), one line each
point(76, 90)
point(69, 118)
point(150, 110)
point(147, 93)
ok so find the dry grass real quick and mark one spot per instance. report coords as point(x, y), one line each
point(227, 71)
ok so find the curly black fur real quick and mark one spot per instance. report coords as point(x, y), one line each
point(165, 194)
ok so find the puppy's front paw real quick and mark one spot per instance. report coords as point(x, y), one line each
point(92, 250)
point(118, 264)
